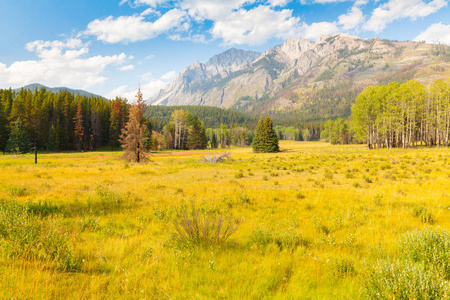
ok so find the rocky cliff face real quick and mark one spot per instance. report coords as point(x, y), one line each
point(278, 77)
point(218, 67)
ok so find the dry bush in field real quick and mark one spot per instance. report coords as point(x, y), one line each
point(214, 158)
point(193, 226)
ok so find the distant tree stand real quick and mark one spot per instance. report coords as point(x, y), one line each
point(135, 133)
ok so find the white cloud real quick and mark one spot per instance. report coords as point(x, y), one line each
point(436, 33)
point(314, 30)
point(150, 11)
point(169, 76)
point(212, 9)
point(352, 19)
point(60, 63)
point(127, 68)
point(280, 3)
point(401, 9)
point(134, 28)
point(152, 3)
point(195, 38)
point(149, 87)
point(256, 26)
point(321, 1)
point(118, 92)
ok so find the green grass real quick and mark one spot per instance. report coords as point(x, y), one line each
point(315, 222)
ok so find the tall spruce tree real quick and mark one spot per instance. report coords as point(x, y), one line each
point(19, 140)
point(197, 136)
point(79, 129)
point(266, 140)
point(134, 134)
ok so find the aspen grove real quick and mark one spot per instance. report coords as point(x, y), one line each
point(403, 115)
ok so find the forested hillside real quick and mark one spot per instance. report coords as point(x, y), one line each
point(60, 121)
point(63, 121)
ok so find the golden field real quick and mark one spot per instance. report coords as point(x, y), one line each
point(313, 220)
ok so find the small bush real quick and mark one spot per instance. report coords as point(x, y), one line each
point(193, 227)
point(424, 215)
point(342, 267)
point(405, 280)
point(42, 208)
point(17, 191)
point(24, 234)
point(429, 247)
point(422, 272)
point(108, 199)
point(288, 238)
point(300, 196)
point(328, 175)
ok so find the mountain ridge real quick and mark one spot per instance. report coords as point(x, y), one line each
point(285, 76)
point(33, 86)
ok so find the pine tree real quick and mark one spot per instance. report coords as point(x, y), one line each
point(19, 141)
point(52, 140)
point(113, 131)
point(3, 128)
point(266, 139)
point(133, 136)
point(197, 136)
point(257, 145)
point(79, 129)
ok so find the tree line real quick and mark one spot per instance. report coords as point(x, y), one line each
point(212, 117)
point(59, 121)
point(63, 121)
point(396, 115)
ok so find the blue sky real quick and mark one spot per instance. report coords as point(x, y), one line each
point(109, 47)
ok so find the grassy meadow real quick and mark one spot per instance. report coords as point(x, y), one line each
point(315, 222)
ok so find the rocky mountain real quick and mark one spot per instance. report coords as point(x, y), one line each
point(34, 86)
point(218, 67)
point(303, 75)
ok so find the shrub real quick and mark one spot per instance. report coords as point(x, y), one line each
point(328, 175)
point(423, 214)
point(193, 227)
point(300, 196)
point(342, 267)
point(429, 247)
point(42, 208)
point(288, 238)
point(405, 280)
point(239, 175)
point(25, 234)
point(422, 272)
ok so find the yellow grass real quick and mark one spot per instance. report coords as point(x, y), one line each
point(344, 203)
